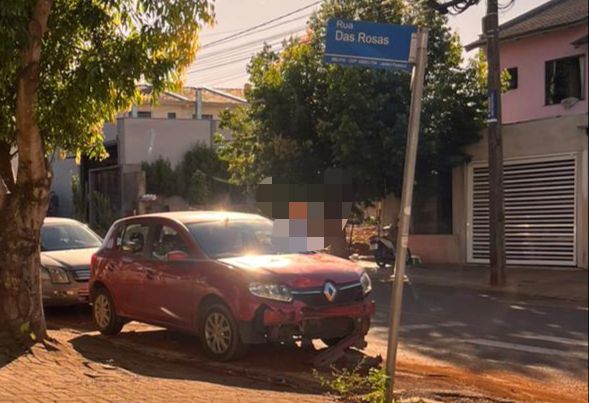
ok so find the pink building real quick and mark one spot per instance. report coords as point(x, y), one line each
point(545, 150)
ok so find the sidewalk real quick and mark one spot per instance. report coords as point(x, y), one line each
point(522, 282)
point(92, 370)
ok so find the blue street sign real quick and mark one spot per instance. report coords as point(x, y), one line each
point(368, 44)
point(492, 106)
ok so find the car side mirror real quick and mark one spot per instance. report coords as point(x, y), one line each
point(176, 256)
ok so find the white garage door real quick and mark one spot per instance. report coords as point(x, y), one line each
point(539, 212)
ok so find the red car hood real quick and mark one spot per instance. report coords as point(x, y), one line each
point(300, 270)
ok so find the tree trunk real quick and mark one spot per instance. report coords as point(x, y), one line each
point(23, 204)
point(338, 245)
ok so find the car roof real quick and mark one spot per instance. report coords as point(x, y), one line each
point(186, 217)
point(61, 220)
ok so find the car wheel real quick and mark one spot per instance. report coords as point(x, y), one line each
point(219, 333)
point(104, 313)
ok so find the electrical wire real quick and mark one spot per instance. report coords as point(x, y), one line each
point(234, 58)
point(208, 45)
point(281, 23)
point(253, 43)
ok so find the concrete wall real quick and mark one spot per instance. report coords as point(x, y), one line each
point(182, 110)
point(544, 137)
point(148, 139)
point(529, 55)
point(63, 171)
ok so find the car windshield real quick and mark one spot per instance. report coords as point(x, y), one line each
point(230, 238)
point(68, 236)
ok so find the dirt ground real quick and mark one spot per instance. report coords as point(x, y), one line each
point(146, 363)
point(81, 367)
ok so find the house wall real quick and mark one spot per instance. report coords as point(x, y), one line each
point(544, 137)
point(446, 248)
point(182, 110)
point(63, 171)
point(145, 140)
point(529, 56)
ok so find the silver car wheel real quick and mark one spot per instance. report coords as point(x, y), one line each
point(102, 311)
point(218, 333)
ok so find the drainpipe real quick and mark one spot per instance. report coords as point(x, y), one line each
point(198, 104)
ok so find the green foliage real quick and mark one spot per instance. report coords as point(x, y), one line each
point(103, 213)
point(199, 178)
point(94, 53)
point(353, 385)
point(161, 178)
point(78, 200)
point(304, 116)
point(481, 67)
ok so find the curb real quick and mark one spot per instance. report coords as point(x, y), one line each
point(513, 292)
point(295, 381)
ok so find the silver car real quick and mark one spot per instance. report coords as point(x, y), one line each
point(67, 247)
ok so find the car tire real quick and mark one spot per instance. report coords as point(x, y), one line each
point(104, 313)
point(332, 341)
point(219, 333)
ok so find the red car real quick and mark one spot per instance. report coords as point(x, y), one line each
point(216, 274)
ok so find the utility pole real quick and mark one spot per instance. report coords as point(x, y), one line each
point(496, 195)
point(417, 85)
point(497, 259)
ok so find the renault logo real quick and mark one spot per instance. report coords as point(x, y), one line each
point(329, 291)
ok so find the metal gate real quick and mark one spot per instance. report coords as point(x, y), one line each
point(540, 212)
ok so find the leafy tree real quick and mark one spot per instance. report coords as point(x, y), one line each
point(199, 178)
point(66, 67)
point(160, 178)
point(304, 116)
point(203, 174)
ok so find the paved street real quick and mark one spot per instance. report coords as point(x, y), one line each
point(484, 332)
point(480, 342)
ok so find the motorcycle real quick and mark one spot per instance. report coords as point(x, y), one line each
point(384, 248)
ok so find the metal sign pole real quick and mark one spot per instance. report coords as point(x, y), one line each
point(405, 209)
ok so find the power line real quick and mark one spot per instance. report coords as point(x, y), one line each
point(260, 25)
point(232, 58)
point(282, 23)
point(253, 43)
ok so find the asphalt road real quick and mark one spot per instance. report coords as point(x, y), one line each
point(484, 332)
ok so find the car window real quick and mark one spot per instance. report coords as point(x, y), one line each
point(134, 238)
point(64, 236)
point(229, 238)
point(167, 240)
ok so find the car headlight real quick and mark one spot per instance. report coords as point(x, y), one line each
point(276, 292)
point(45, 275)
point(366, 283)
point(57, 275)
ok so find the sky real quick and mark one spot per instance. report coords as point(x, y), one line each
point(221, 61)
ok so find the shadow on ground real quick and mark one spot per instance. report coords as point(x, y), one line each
point(156, 352)
point(464, 328)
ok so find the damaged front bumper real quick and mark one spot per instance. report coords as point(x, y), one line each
point(282, 322)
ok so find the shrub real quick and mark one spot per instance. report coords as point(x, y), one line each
point(199, 178)
point(354, 385)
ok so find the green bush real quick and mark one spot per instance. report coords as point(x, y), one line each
point(78, 200)
point(103, 213)
point(161, 178)
point(199, 178)
point(354, 385)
